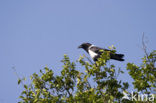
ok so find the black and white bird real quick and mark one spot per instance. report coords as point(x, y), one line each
point(95, 52)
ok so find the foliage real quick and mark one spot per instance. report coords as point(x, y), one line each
point(98, 84)
point(145, 75)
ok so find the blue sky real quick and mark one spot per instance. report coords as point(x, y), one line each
point(36, 33)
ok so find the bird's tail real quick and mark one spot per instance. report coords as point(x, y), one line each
point(118, 57)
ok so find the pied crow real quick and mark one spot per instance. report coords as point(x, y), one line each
point(95, 52)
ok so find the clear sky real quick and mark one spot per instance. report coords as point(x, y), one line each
point(36, 33)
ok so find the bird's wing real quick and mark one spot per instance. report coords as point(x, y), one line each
point(97, 49)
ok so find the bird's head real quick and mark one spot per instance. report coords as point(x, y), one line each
point(85, 46)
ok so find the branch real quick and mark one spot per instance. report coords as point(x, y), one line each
point(144, 45)
point(90, 61)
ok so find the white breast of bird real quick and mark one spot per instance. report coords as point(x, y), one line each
point(92, 54)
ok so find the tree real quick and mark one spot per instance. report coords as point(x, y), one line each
point(98, 84)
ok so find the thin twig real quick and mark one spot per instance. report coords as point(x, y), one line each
point(90, 61)
point(20, 80)
point(17, 75)
point(144, 45)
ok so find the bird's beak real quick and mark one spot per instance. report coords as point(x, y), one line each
point(79, 46)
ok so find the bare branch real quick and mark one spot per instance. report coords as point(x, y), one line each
point(144, 46)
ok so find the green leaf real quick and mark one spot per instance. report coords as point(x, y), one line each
point(19, 81)
point(25, 86)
